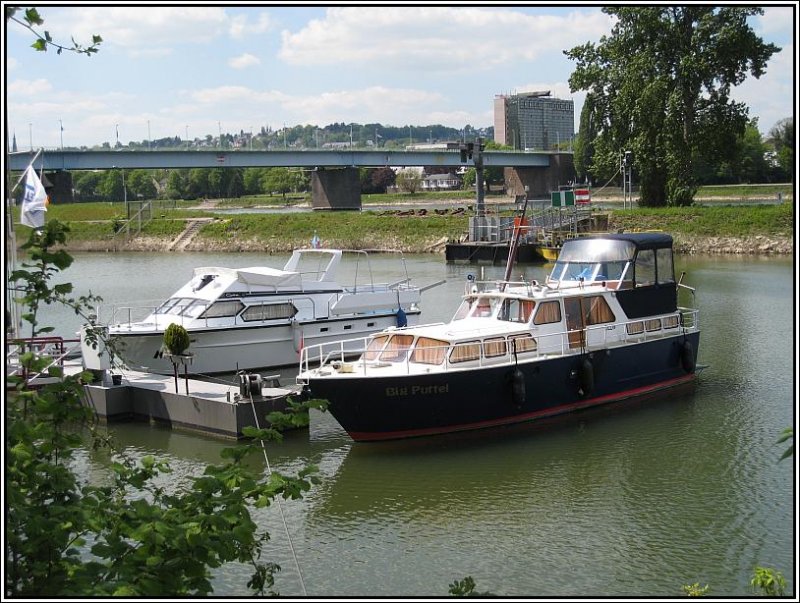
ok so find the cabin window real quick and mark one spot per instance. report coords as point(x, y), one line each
point(664, 266)
point(516, 310)
point(269, 312)
point(429, 351)
point(634, 328)
point(645, 271)
point(653, 325)
point(670, 322)
point(223, 308)
point(396, 348)
point(165, 307)
point(463, 309)
point(522, 343)
point(496, 346)
point(183, 306)
point(596, 310)
point(375, 346)
point(549, 312)
point(483, 307)
point(463, 352)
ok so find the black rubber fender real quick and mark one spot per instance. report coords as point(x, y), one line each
point(687, 356)
point(586, 377)
point(518, 387)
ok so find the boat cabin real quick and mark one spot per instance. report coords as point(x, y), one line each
point(639, 266)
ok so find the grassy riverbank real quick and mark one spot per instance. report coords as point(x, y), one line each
point(716, 228)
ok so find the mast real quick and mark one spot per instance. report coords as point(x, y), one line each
point(512, 251)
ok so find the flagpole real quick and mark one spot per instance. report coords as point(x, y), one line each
point(11, 318)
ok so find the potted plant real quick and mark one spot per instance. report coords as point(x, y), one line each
point(176, 343)
point(176, 340)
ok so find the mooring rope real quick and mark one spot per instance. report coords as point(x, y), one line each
point(277, 501)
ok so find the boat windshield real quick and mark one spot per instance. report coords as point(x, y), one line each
point(182, 306)
point(484, 306)
point(593, 260)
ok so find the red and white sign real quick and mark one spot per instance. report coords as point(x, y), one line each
point(583, 196)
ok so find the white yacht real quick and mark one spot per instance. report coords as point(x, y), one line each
point(261, 317)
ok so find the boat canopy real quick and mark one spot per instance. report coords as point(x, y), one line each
point(612, 247)
point(641, 258)
point(257, 275)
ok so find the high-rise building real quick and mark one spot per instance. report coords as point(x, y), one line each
point(533, 120)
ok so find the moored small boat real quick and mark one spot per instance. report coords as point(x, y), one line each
point(261, 317)
point(605, 326)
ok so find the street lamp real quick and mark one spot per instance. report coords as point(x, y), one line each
point(117, 129)
point(62, 134)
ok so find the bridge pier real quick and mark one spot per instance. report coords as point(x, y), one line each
point(60, 186)
point(335, 189)
point(540, 180)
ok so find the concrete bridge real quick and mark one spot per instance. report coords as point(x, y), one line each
point(334, 180)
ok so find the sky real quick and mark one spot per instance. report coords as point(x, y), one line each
point(205, 69)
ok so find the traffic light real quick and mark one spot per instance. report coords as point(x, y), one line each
point(466, 151)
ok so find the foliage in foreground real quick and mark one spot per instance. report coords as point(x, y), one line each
point(130, 532)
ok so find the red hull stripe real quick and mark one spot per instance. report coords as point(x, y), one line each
point(362, 436)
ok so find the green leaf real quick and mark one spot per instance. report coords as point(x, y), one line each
point(32, 17)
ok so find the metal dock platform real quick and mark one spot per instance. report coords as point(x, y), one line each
point(213, 408)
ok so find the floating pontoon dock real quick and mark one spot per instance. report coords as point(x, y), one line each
point(213, 408)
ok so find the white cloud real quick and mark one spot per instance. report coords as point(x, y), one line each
point(244, 61)
point(150, 53)
point(138, 28)
point(25, 88)
point(776, 21)
point(771, 97)
point(436, 38)
point(11, 63)
point(240, 26)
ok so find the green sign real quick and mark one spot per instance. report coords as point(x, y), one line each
point(562, 198)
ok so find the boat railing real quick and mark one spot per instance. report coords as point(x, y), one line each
point(498, 286)
point(561, 343)
point(57, 349)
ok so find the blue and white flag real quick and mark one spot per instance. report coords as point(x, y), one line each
point(34, 201)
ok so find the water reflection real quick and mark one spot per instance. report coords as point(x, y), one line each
point(634, 500)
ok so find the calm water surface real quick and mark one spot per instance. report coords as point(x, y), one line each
point(634, 501)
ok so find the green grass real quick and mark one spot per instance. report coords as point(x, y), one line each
point(374, 230)
point(734, 192)
point(349, 230)
point(730, 220)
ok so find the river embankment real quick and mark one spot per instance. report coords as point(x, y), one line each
point(419, 227)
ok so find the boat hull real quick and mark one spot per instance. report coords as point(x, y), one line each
point(392, 407)
point(232, 349)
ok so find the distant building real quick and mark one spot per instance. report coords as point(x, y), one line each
point(441, 182)
point(433, 146)
point(533, 120)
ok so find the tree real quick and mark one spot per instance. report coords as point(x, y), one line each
point(140, 183)
point(31, 18)
point(661, 86)
point(111, 187)
point(177, 184)
point(781, 137)
point(126, 535)
point(382, 178)
point(584, 141)
point(408, 180)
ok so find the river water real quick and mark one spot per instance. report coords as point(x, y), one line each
point(634, 501)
